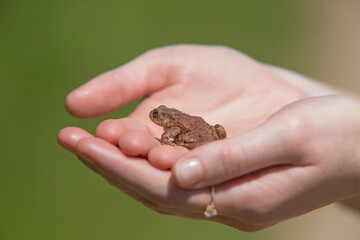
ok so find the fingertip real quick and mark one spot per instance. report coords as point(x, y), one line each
point(69, 137)
point(112, 129)
point(164, 157)
point(136, 143)
point(91, 100)
point(94, 149)
point(74, 103)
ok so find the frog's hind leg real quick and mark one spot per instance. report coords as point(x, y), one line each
point(191, 137)
point(169, 136)
point(190, 140)
point(220, 130)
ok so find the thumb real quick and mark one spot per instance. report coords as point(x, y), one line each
point(111, 90)
point(216, 162)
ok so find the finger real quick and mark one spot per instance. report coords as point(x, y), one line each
point(140, 176)
point(165, 198)
point(69, 137)
point(268, 145)
point(111, 129)
point(165, 156)
point(111, 90)
point(137, 143)
point(156, 192)
point(111, 160)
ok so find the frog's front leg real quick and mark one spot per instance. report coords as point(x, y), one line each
point(168, 137)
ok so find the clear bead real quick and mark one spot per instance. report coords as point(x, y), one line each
point(210, 210)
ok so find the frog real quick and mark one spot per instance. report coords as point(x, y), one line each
point(182, 129)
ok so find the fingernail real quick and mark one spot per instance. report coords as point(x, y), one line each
point(189, 172)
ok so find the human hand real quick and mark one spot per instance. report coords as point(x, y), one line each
point(177, 76)
point(218, 83)
point(302, 158)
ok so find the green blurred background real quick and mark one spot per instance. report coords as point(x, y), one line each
point(47, 48)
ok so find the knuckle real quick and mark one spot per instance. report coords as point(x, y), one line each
point(295, 129)
point(83, 143)
point(227, 161)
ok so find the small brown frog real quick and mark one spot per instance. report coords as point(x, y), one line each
point(181, 129)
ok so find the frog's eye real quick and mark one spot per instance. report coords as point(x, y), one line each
point(155, 113)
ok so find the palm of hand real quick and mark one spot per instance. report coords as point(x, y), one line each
point(218, 84)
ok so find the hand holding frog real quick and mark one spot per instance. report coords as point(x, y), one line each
point(283, 157)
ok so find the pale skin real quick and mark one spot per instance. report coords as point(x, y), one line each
point(292, 146)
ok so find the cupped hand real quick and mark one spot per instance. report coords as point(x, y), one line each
point(303, 157)
point(217, 83)
point(223, 86)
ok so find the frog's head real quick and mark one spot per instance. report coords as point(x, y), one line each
point(161, 116)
